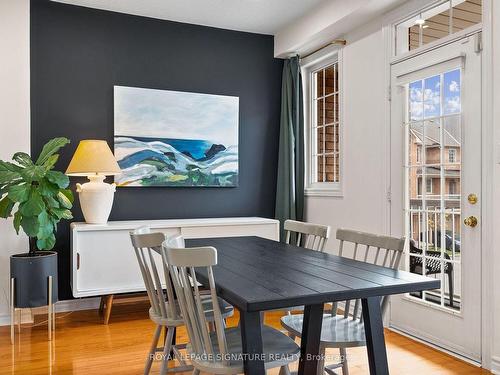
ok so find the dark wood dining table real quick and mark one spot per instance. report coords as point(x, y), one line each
point(256, 274)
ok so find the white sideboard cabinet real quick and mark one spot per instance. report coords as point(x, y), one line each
point(104, 262)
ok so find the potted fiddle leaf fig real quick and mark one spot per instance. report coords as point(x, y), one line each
point(37, 197)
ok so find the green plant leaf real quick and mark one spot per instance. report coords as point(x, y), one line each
point(47, 188)
point(23, 159)
point(6, 206)
point(38, 193)
point(7, 177)
point(63, 198)
point(4, 188)
point(50, 148)
point(58, 178)
point(9, 172)
point(17, 220)
point(19, 193)
point(69, 194)
point(34, 205)
point(8, 166)
point(62, 213)
point(33, 173)
point(51, 161)
point(30, 225)
point(45, 226)
point(51, 202)
point(46, 243)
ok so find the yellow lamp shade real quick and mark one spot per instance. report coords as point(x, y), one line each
point(93, 157)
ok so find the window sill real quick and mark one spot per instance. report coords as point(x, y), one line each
point(322, 192)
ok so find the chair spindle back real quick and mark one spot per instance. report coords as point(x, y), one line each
point(369, 248)
point(182, 264)
point(307, 235)
point(145, 243)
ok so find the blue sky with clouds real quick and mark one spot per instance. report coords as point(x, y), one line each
point(175, 114)
point(425, 96)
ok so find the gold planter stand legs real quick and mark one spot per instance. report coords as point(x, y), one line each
point(51, 319)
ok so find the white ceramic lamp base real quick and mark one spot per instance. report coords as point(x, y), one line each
point(96, 199)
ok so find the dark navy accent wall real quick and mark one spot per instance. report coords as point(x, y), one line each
point(78, 54)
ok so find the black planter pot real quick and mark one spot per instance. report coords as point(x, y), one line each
point(31, 272)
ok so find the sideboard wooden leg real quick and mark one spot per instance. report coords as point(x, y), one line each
point(101, 305)
point(108, 305)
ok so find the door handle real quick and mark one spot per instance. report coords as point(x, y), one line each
point(470, 221)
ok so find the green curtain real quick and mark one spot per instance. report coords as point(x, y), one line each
point(290, 183)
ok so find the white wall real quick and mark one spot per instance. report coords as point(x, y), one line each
point(309, 27)
point(364, 202)
point(14, 118)
point(331, 19)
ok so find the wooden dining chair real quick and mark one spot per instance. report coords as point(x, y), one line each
point(309, 236)
point(218, 352)
point(306, 235)
point(343, 327)
point(165, 311)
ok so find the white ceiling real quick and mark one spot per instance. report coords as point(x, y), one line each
point(258, 16)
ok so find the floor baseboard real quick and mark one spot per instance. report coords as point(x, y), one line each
point(495, 365)
point(61, 306)
point(434, 346)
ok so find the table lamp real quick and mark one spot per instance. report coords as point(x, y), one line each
point(94, 160)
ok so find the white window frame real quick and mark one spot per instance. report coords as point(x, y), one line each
point(310, 65)
point(429, 187)
point(455, 184)
point(450, 152)
point(413, 8)
point(420, 186)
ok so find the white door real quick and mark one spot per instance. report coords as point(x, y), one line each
point(435, 165)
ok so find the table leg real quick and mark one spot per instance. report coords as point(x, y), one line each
point(251, 340)
point(311, 338)
point(374, 331)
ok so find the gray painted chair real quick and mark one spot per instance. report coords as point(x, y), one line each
point(309, 236)
point(306, 235)
point(346, 330)
point(165, 311)
point(218, 352)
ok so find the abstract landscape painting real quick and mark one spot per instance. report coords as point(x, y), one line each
point(174, 138)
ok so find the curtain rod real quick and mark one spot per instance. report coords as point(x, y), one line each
point(341, 42)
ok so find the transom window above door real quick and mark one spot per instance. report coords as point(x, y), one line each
point(436, 22)
point(323, 127)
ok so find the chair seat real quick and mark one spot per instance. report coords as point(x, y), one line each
point(226, 310)
point(336, 331)
point(279, 350)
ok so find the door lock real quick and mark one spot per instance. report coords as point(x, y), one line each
point(472, 198)
point(470, 221)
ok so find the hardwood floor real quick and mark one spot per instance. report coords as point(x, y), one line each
point(83, 345)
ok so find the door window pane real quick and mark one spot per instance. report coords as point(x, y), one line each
point(432, 96)
point(433, 185)
point(416, 105)
point(451, 92)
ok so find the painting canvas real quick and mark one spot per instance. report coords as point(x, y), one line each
point(173, 138)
